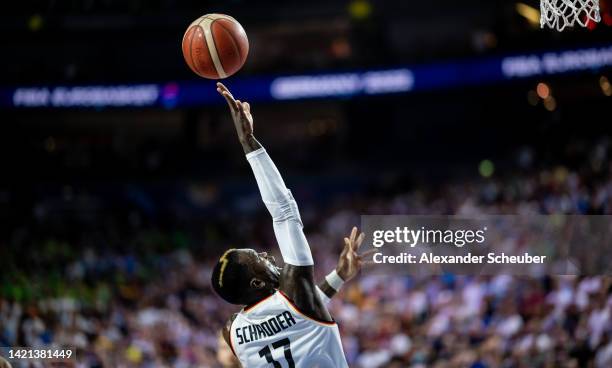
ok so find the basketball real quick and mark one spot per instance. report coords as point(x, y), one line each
point(215, 46)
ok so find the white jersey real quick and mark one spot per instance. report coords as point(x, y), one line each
point(275, 334)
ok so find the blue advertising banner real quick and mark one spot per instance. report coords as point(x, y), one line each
point(405, 79)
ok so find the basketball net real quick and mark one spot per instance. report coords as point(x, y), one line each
point(558, 14)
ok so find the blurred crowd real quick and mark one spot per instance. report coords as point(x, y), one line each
point(142, 298)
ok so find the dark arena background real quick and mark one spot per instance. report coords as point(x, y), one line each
point(122, 181)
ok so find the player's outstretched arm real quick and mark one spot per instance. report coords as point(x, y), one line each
point(297, 277)
point(276, 196)
point(349, 265)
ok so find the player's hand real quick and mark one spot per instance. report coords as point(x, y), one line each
point(351, 261)
point(241, 113)
point(4, 363)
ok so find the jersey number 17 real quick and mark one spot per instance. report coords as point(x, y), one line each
point(267, 353)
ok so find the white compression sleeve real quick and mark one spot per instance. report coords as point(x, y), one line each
point(286, 219)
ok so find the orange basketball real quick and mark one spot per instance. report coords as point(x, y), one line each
point(215, 46)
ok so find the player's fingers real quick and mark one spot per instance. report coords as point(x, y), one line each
point(229, 99)
point(345, 248)
point(225, 94)
point(368, 252)
point(353, 234)
point(359, 241)
point(244, 112)
point(246, 124)
point(245, 108)
point(222, 87)
point(347, 244)
point(368, 263)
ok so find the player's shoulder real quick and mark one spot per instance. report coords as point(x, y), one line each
point(228, 324)
point(227, 328)
point(231, 319)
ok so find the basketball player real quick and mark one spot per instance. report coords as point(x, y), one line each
point(285, 322)
point(347, 267)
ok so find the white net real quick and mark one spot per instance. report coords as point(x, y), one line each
point(558, 14)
